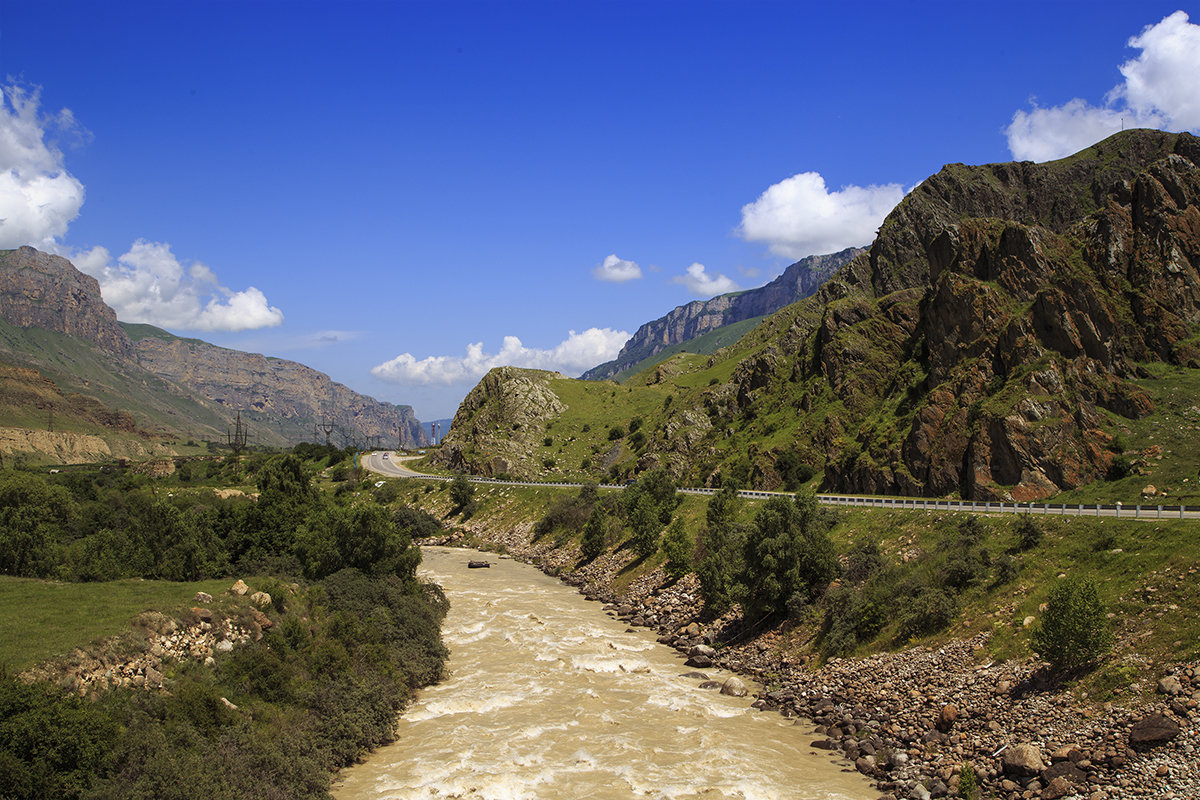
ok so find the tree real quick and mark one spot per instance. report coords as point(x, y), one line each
point(789, 554)
point(365, 537)
point(595, 534)
point(721, 563)
point(677, 546)
point(1073, 631)
point(34, 517)
point(646, 524)
point(462, 494)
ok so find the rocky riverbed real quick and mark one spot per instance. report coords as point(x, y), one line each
point(913, 719)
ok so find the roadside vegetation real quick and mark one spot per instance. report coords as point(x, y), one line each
point(351, 632)
point(849, 581)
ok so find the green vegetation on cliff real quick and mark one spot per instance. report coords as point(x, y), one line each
point(1016, 331)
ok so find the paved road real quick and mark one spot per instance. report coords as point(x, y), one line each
point(393, 466)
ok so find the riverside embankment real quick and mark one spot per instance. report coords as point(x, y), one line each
point(911, 719)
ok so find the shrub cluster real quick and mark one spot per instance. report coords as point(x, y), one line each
point(271, 720)
point(99, 526)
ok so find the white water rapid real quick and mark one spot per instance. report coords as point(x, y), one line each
point(547, 697)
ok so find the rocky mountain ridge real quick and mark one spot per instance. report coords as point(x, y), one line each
point(689, 321)
point(284, 402)
point(994, 335)
point(294, 397)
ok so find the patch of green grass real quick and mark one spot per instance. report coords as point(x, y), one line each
point(43, 619)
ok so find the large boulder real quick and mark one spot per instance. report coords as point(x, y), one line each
point(1153, 730)
point(1024, 760)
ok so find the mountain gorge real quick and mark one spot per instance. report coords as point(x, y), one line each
point(1005, 334)
point(56, 328)
point(687, 322)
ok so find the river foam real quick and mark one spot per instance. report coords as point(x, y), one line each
point(547, 698)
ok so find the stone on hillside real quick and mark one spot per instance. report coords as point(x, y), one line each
point(734, 687)
point(240, 588)
point(203, 597)
point(224, 646)
point(1152, 730)
point(1057, 788)
point(1170, 685)
point(947, 717)
point(1066, 770)
point(1023, 759)
point(203, 614)
point(260, 599)
point(919, 792)
point(153, 678)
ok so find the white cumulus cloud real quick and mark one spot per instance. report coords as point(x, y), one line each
point(617, 270)
point(38, 197)
point(576, 354)
point(39, 200)
point(149, 284)
point(701, 284)
point(1159, 91)
point(800, 217)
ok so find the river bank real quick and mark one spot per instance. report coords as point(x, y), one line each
point(911, 719)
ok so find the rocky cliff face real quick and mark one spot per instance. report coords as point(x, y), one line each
point(38, 290)
point(1000, 322)
point(501, 422)
point(694, 319)
point(283, 397)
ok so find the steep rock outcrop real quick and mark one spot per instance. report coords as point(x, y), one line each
point(694, 319)
point(39, 290)
point(500, 422)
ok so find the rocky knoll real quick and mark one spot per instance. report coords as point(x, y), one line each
point(39, 290)
point(977, 345)
point(281, 396)
point(498, 425)
point(137, 659)
point(694, 319)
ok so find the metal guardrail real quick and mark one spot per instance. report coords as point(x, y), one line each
point(1117, 510)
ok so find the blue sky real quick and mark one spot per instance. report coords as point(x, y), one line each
point(404, 194)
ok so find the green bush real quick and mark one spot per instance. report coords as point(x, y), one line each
point(677, 546)
point(968, 783)
point(930, 611)
point(790, 552)
point(1073, 632)
point(722, 548)
point(595, 534)
point(1029, 533)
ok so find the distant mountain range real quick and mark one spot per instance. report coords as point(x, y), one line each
point(55, 327)
point(689, 322)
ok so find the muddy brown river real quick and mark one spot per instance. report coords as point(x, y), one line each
point(548, 697)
